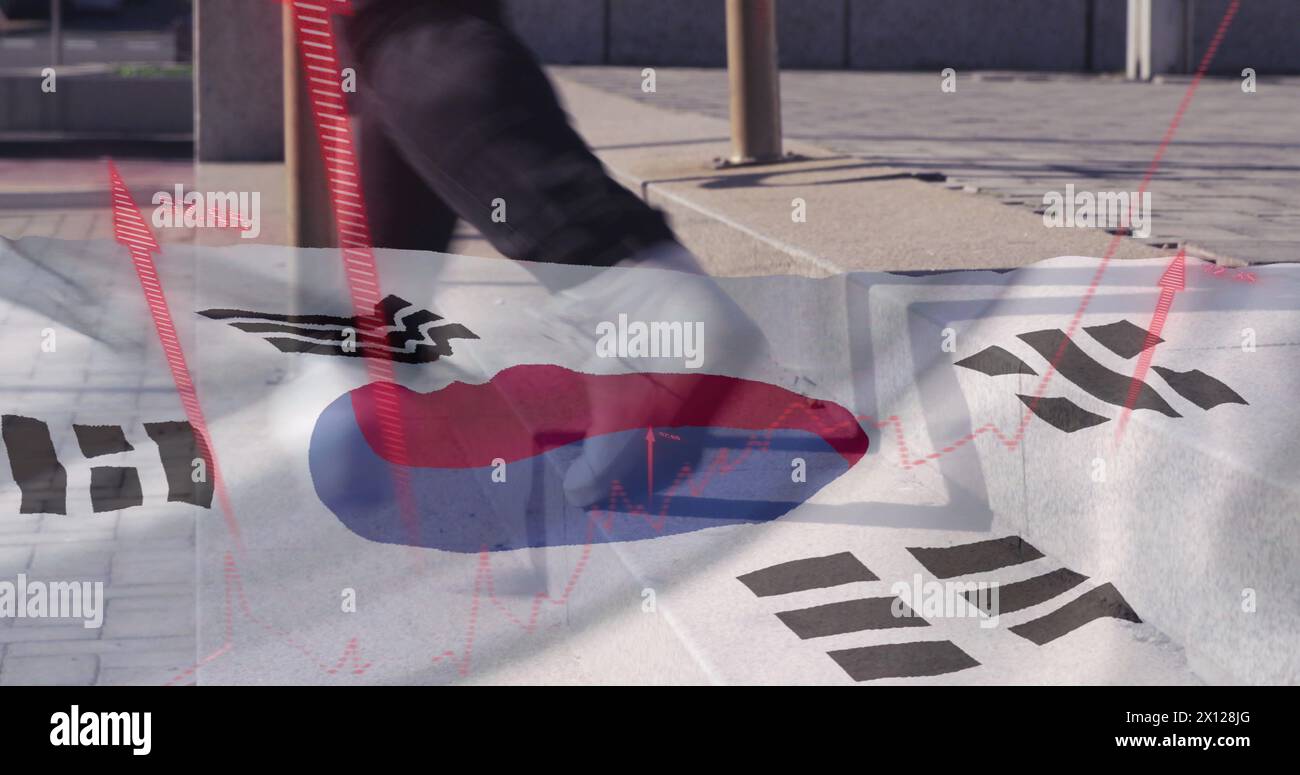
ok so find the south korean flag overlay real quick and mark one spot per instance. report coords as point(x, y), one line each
point(90, 423)
point(821, 556)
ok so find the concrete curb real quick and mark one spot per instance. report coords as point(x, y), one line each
point(91, 101)
point(857, 214)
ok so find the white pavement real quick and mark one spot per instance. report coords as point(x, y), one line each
point(1189, 514)
point(1226, 188)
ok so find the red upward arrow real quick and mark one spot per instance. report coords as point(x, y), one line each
point(319, 60)
point(132, 230)
point(1174, 280)
point(325, 6)
point(649, 464)
point(1175, 277)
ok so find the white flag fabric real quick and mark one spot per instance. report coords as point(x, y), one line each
point(999, 527)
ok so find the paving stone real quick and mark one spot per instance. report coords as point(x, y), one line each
point(153, 566)
point(63, 670)
point(53, 646)
point(1233, 157)
point(161, 620)
point(19, 523)
point(61, 523)
point(42, 637)
point(138, 525)
point(13, 539)
point(14, 559)
point(165, 659)
point(122, 591)
point(142, 676)
point(80, 560)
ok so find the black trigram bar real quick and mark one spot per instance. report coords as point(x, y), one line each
point(1098, 381)
point(113, 488)
point(903, 660)
point(1062, 413)
point(1097, 603)
point(178, 449)
point(41, 479)
point(97, 440)
point(810, 573)
point(947, 562)
point(871, 613)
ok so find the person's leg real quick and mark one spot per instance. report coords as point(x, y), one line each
point(469, 109)
point(471, 112)
point(402, 211)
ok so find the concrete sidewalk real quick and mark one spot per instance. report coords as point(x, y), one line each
point(867, 203)
point(860, 214)
point(145, 557)
point(1224, 190)
point(897, 187)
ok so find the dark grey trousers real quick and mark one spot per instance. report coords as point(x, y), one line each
point(458, 120)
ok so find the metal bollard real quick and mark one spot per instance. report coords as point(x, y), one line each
point(1159, 38)
point(307, 199)
point(56, 32)
point(755, 82)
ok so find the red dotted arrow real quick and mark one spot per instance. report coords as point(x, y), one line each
point(1172, 281)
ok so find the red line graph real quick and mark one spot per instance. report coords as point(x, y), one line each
point(618, 505)
point(319, 59)
point(131, 230)
point(1221, 272)
point(1173, 281)
point(1115, 241)
point(313, 27)
point(235, 597)
point(230, 219)
point(720, 463)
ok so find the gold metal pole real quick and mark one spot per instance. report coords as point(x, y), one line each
point(56, 32)
point(755, 83)
point(307, 202)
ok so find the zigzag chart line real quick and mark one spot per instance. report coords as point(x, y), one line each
point(721, 464)
point(315, 32)
point(234, 591)
point(618, 504)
